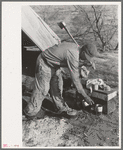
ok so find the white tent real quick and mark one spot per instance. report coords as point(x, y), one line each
point(37, 30)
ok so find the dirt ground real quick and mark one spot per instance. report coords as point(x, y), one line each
point(85, 130)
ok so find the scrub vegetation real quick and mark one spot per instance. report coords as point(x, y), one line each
point(92, 23)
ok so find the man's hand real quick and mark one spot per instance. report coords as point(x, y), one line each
point(89, 100)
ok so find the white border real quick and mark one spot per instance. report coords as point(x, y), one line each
point(11, 70)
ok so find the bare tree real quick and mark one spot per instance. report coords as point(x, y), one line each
point(85, 22)
point(104, 27)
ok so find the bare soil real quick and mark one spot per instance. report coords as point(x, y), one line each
point(86, 129)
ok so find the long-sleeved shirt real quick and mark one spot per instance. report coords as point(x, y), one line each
point(65, 55)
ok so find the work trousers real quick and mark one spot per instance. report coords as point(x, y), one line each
point(46, 78)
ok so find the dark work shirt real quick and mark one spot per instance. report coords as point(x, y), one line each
point(65, 55)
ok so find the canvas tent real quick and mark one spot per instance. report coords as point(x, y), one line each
point(37, 30)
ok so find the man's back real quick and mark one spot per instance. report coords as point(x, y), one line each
point(56, 56)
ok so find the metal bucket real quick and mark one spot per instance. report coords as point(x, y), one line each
point(98, 109)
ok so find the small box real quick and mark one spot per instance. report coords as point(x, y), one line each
point(106, 98)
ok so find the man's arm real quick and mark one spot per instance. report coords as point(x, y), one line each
point(73, 65)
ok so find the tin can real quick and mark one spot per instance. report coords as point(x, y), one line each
point(98, 109)
point(84, 103)
point(95, 87)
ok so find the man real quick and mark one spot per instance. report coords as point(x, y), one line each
point(48, 75)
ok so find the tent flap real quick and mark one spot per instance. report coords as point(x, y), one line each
point(37, 30)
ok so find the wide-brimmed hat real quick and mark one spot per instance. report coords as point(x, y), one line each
point(88, 52)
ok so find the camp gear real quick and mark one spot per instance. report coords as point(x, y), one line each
point(106, 98)
point(62, 25)
point(37, 29)
point(95, 84)
point(98, 109)
point(85, 104)
point(95, 87)
point(88, 100)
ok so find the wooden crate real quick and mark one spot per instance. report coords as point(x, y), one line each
point(106, 98)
